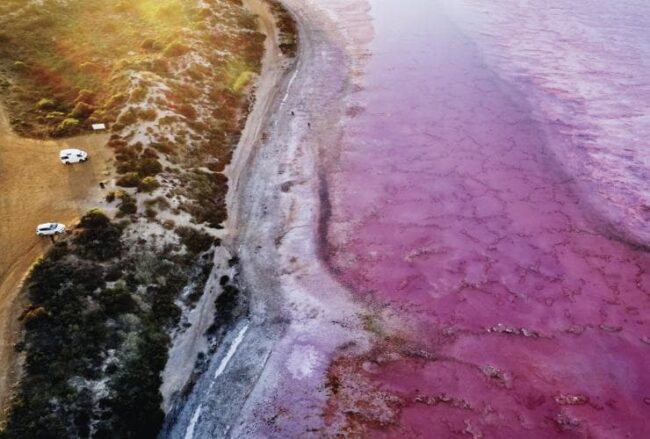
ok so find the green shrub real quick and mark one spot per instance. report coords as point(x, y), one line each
point(85, 96)
point(149, 153)
point(242, 81)
point(20, 66)
point(148, 114)
point(129, 117)
point(149, 167)
point(99, 238)
point(226, 304)
point(188, 111)
point(151, 45)
point(130, 179)
point(150, 212)
point(46, 104)
point(117, 300)
point(148, 184)
point(68, 124)
point(55, 115)
point(176, 49)
point(90, 67)
point(196, 241)
point(139, 93)
point(94, 219)
point(82, 110)
point(160, 202)
point(116, 100)
point(128, 206)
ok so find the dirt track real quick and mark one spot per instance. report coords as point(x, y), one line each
point(36, 188)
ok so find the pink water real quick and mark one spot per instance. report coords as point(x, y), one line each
point(493, 190)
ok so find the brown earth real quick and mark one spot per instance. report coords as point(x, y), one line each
point(35, 187)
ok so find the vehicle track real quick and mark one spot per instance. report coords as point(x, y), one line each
point(36, 188)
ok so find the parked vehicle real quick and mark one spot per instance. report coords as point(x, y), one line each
point(72, 155)
point(49, 229)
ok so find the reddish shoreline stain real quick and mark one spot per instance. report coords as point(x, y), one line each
point(452, 205)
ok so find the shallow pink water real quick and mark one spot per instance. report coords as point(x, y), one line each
point(485, 192)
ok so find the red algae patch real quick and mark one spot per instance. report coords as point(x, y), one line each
point(453, 204)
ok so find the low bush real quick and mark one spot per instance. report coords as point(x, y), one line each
point(117, 300)
point(67, 127)
point(169, 224)
point(151, 45)
point(19, 66)
point(147, 114)
point(160, 202)
point(46, 104)
point(226, 303)
point(85, 96)
point(55, 116)
point(148, 184)
point(196, 241)
point(127, 204)
point(175, 49)
point(150, 212)
point(82, 110)
point(149, 167)
point(130, 179)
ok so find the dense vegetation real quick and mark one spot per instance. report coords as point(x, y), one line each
point(288, 28)
point(97, 333)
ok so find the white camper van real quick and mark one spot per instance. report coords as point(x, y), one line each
point(68, 156)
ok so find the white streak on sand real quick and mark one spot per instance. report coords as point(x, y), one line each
point(189, 433)
point(231, 352)
point(293, 77)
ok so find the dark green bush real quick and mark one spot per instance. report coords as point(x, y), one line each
point(117, 300)
point(148, 184)
point(195, 240)
point(149, 167)
point(98, 239)
point(130, 179)
point(127, 203)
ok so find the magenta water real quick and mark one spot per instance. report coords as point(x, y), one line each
point(492, 189)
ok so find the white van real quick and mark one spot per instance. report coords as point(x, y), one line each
point(49, 229)
point(68, 156)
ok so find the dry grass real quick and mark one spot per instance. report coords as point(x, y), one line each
point(66, 60)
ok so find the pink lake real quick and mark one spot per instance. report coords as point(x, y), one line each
point(492, 190)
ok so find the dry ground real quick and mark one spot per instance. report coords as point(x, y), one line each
point(36, 188)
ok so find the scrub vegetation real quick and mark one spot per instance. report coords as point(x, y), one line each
point(287, 27)
point(68, 64)
point(97, 332)
point(172, 81)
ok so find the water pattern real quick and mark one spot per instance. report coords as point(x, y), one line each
point(492, 189)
